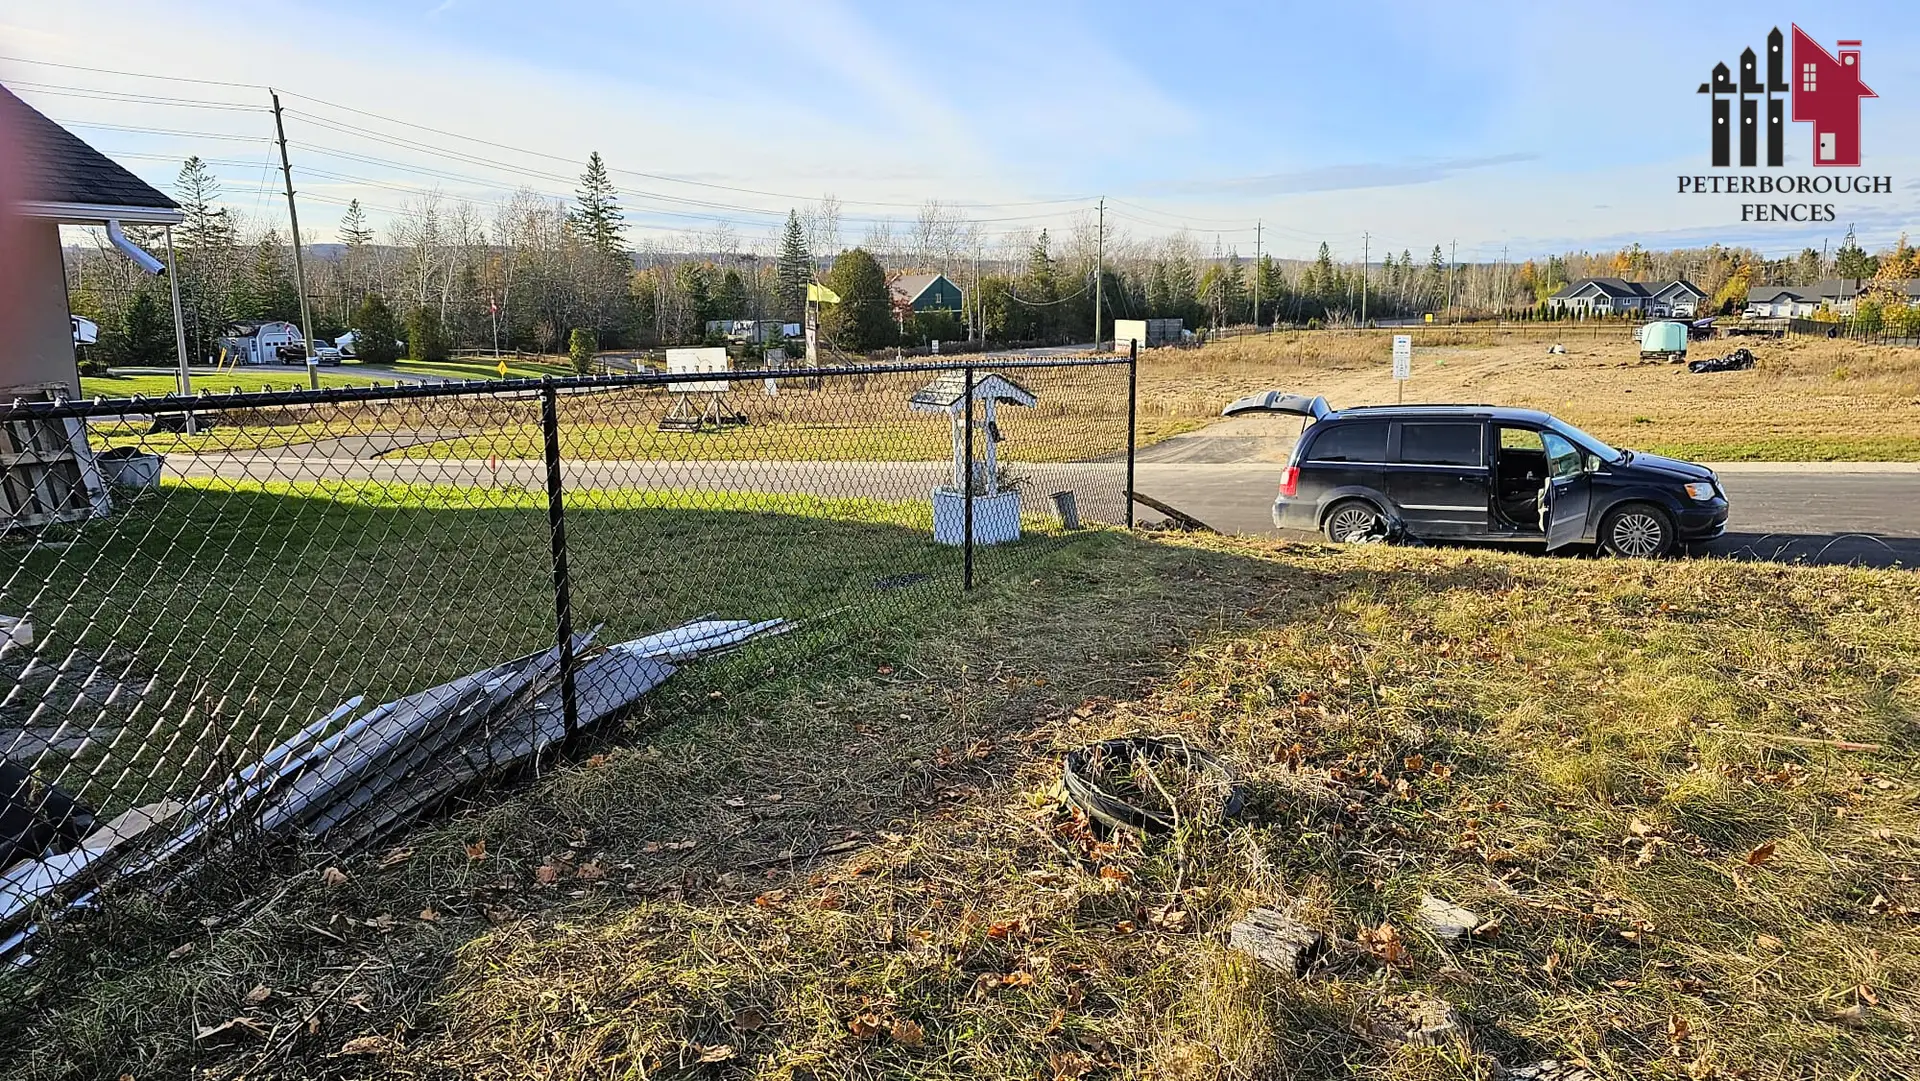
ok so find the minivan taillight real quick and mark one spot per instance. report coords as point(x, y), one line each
point(1290, 482)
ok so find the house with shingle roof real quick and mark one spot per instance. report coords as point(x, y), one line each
point(1617, 296)
point(56, 179)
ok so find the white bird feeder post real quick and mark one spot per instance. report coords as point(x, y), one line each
point(996, 513)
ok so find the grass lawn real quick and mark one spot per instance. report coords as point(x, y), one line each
point(1805, 400)
point(1624, 770)
point(213, 382)
point(256, 608)
point(482, 368)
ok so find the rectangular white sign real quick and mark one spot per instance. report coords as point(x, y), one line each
point(1403, 356)
point(698, 360)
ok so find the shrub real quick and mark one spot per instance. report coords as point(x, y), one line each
point(376, 334)
point(582, 344)
point(426, 338)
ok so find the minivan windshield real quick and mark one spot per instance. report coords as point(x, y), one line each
point(1580, 438)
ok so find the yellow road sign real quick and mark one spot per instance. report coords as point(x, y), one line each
point(502, 367)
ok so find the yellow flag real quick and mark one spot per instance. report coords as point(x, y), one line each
point(502, 367)
point(823, 295)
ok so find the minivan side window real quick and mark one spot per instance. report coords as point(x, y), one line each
point(1360, 442)
point(1440, 444)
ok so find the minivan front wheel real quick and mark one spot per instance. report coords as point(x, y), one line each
point(1637, 531)
point(1354, 521)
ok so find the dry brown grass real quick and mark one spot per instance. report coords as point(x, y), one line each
point(862, 872)
point(1808, 399)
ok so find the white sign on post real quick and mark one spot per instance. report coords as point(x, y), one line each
point(697, 361)
point(1403, 356)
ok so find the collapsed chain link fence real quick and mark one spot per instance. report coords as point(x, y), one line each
point(319, 615)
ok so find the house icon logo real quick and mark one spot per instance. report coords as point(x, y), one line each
point(1825, 90)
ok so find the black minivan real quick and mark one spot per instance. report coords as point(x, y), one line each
point(1478, 472)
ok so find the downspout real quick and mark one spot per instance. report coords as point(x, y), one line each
point(133, 251)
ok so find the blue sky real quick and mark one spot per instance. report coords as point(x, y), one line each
point(1529, 126)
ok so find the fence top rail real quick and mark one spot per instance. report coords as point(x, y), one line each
point(167, 404)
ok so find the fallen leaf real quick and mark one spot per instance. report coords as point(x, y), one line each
point(497, 915)
point(1125, 927)
point(1057, 1022)
point(831, 901)
point(1678, 1028)
point(719, 1052)
point(1760, 855)
point(429, 915)
point(1866, 995)
point(770, 898)
point(546, 874)
point(260, 993)
point(185, 949)
point(1639, 828)
point(1017, 979)
point(749, 1020)
point(477, 850)
point(908, 1034)
point(233, 1026)
point(396, 856)
point(864, 1027)
point(1385, 943)
point(1768, 942)
point(596, 761)
point(369, 1045)
point(1115, 874)
point(334, 876)
point(591, 871)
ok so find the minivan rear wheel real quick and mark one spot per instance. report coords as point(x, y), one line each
point(1354, 521)
point(1637, 531)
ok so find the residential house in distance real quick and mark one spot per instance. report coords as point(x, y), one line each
point(1834, 294)
point(915, 294)
point(1617, 296)
point(258, 343)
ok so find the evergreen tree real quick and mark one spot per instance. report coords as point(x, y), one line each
point(795, 268)
point(1434, 288)
point(596, 212)
point(863, 320)
point(730, 301)
point(426, 337)
point(147, 337)
point(268, 291)
point(204, 252)
point(354, 230)
point(695, 280)
point(376, 333)
point(1160, 302)
point(1852, 262)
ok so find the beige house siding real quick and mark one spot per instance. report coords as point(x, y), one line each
point(36, 330)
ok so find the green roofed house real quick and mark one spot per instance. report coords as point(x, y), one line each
point(917, 294)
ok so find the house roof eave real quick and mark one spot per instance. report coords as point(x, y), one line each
point(99, 213)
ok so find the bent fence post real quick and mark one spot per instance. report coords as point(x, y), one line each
point(557, 527)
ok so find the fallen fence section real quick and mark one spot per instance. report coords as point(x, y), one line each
point(351, 781)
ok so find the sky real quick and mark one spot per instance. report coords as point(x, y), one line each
point(1515, 128)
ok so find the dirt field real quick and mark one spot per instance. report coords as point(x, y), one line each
point(1807, 400)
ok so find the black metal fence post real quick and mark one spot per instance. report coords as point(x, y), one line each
point(557, 525)
point(967, 491)
point(1133, 400)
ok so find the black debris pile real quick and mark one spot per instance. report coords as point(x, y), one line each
point(1737, 361)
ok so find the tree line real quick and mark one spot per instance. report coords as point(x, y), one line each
point(444, 276)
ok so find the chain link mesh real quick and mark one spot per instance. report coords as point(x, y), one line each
point(322, 614)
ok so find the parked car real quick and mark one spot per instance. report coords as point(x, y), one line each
point(322, 353)
point(1479, 472)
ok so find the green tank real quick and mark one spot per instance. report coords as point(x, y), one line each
point(1664, 339)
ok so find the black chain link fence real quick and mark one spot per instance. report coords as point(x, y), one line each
point(319, 615)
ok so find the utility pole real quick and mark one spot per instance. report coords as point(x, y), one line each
point(1366, 268)
point(299, 262)
point(979, 312)
point(1257, 226)
point(1453, 258)
point(1099, 271)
